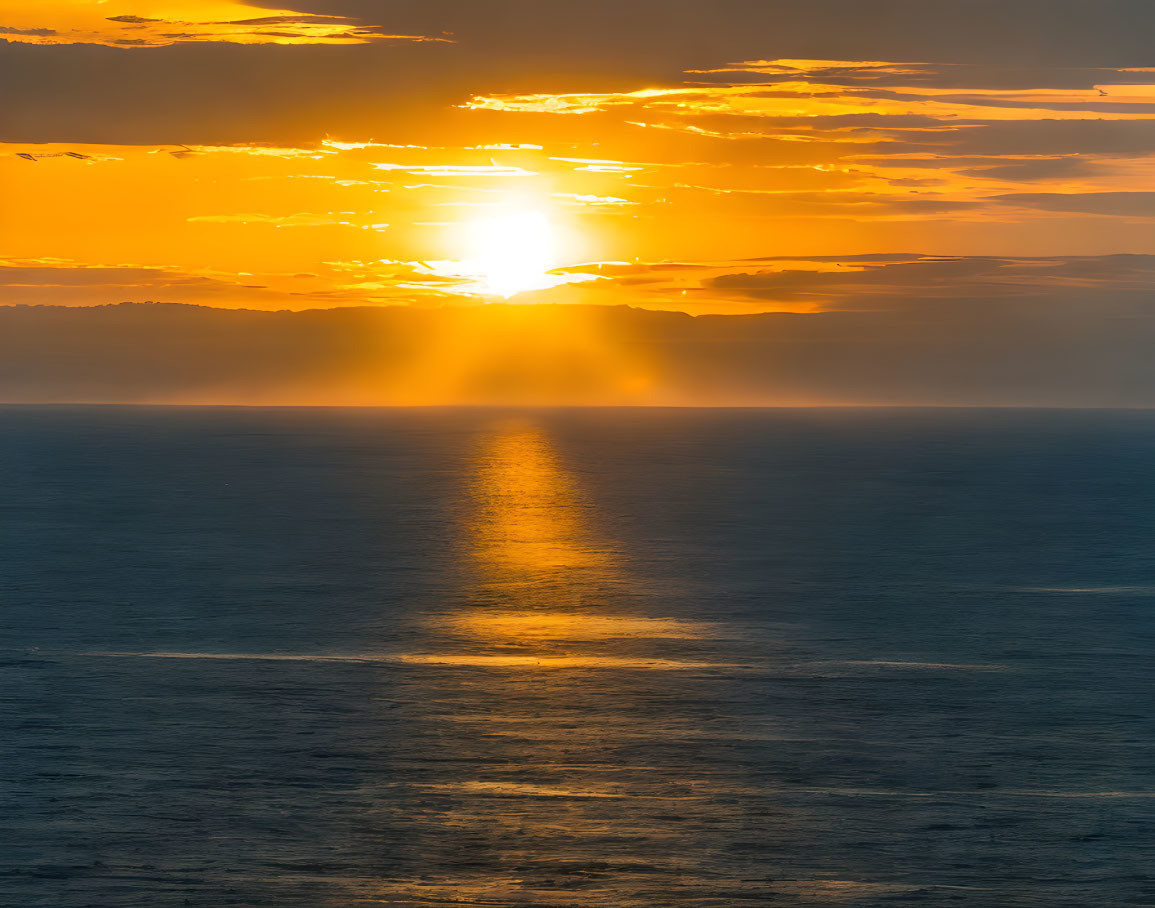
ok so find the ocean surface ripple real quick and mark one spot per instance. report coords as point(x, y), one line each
point(276, 657)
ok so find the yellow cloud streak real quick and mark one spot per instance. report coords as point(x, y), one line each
point(805, 100)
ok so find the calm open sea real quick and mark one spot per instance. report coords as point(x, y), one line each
point(333, 658)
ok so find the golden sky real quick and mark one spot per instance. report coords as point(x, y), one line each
point(662, 156)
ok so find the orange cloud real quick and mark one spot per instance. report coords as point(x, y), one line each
point(160, 23)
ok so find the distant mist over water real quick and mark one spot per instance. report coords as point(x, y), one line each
point(958, 352)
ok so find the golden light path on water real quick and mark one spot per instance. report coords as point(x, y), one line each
point(529, 515)
point(542, 563)
point(547, 683)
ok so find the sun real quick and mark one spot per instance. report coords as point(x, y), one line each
point(512, 252)
point(509, 251)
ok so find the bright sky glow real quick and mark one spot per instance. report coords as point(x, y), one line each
point(906, 177)
point(450, 184)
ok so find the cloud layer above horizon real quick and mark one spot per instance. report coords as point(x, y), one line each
point(246, 155)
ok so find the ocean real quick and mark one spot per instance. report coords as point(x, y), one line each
point(653, 657)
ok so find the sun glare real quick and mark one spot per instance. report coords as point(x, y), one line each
point(512, 253)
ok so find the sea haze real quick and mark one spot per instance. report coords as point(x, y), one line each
point(330, 657)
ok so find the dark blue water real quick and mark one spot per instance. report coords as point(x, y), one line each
point(623, 658)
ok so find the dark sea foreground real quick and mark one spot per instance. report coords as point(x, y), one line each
point(571, 658)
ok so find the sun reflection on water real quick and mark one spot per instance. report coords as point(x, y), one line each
point(551, 588)
point(531, 519)
point(551, 675)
